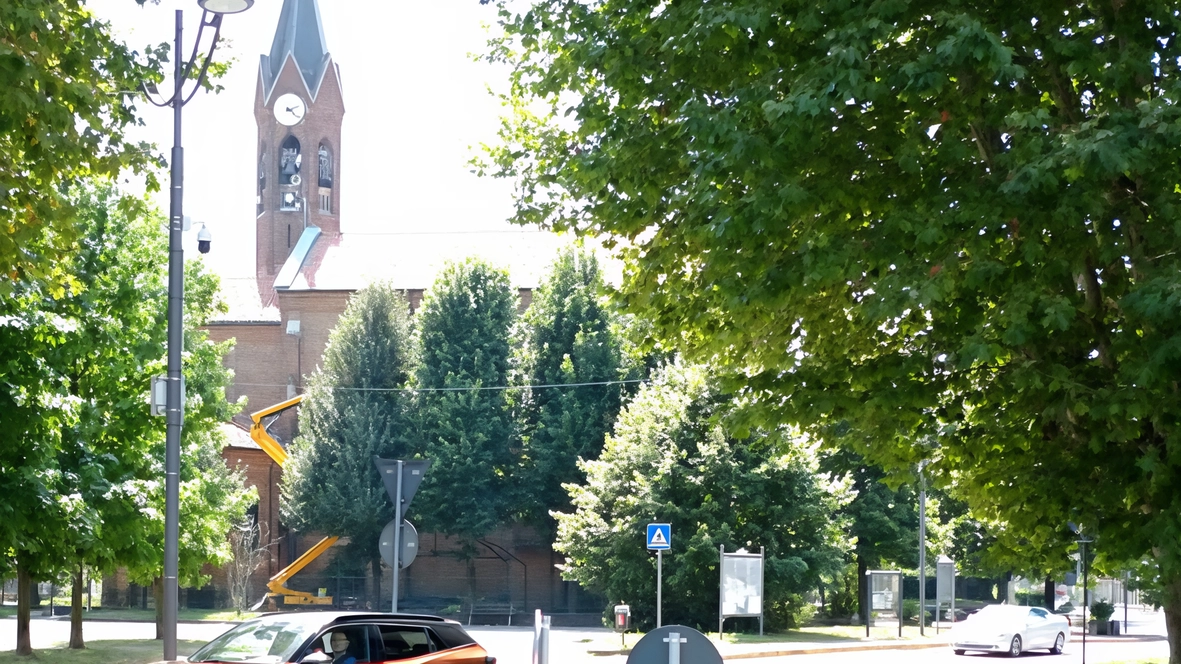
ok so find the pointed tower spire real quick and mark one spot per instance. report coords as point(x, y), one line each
point(300, 34)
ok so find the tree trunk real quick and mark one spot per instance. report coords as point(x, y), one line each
point(76, 642)
point(158, 593)
point(1172, 606)
point(373, 592)
point(1048, 594)
point(24, 642)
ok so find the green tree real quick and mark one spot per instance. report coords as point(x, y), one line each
point(893, 222)
point(63, 121)
point(881, 522)
point(95, 480)
point(567, 336)
point(671, 459)
point(355, 408)
point(213, 498)
point(465, 427)
point(34, 411)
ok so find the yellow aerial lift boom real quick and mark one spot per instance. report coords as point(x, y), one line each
point(277, 584)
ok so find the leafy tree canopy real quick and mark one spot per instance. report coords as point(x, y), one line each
point(355, 409)
point(567, 336)
point(63, 121)
point(465, 427)
point(671, 459)
point(895, 222)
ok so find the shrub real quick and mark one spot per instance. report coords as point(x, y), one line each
point(1102, 610)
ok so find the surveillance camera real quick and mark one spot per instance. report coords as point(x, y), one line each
point(204, 237)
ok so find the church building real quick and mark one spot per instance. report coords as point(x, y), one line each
point(307, 265)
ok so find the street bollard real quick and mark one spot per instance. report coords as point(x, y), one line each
point(541, 625)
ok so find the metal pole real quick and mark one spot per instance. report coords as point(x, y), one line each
point(176, 286)
point(922, 551)
point(397, 538)
point(762, 575)
point(1124, 583)
point(659, 581)
point(543, 651)
point(1086, 628)
point(721, 586)
point(868, 601)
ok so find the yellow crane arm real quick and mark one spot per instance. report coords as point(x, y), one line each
point(277, 583)
point(259, 434)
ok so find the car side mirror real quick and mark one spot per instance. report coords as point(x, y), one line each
point(316, 657)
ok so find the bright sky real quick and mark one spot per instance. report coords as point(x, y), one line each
point(416, 110)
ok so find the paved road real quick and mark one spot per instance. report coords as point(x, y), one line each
point(1097, 653)
point(568, 646)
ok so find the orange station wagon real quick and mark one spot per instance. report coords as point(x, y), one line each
point(359, 638)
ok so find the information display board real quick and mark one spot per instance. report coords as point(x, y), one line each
point(741, 591)
point(885, 598)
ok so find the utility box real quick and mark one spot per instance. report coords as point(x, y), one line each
point(623, 617)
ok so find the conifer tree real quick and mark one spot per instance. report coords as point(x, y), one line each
point(355, 408)
point(465, 426)
point(567, 337)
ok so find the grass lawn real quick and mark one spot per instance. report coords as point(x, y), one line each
point(139, 615)
point(102, 652)
point(830, 634)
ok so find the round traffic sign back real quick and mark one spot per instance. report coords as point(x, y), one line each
point(409, 544)
point(674, 644)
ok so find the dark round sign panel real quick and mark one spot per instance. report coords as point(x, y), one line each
point(674, 644)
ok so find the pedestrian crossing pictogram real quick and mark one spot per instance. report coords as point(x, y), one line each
point(659, 536)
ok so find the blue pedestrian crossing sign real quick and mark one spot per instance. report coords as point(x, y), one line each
point(660, 537)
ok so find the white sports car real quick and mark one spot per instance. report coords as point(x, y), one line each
point(1011, 629)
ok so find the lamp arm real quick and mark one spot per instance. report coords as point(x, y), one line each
point(148, 95)
point(215, 22)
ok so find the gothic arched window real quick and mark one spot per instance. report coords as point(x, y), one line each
point(290, 161)
point(325, 155)
point(262, 178)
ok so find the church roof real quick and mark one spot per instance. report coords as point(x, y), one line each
point(412, 261)
point(301, 35)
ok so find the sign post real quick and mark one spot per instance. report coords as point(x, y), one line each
point(401, 479)
point(659, 538)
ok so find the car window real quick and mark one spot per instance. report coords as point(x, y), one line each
point(403, 642)
point(1040, 614)
point(262, 641)
point(354, 639)
point(451, 636)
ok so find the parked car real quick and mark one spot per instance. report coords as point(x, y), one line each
point(1011, 629)
point(309, 637)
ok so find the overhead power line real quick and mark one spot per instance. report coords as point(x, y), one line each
point(465, 388)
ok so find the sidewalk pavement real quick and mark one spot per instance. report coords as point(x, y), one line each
point(738, 651)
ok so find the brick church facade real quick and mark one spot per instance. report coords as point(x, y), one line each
point(306, 270)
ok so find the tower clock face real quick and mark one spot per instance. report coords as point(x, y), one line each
point(289, 109)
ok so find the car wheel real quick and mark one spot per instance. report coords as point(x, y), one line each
point(1058, 643)
point(959, 651)
point(1015, 647)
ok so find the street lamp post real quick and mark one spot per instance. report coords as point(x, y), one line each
point(923, 549)
point(1082, 542)
point(213, 10)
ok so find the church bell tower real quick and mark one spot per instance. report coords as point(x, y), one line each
point(298, 108)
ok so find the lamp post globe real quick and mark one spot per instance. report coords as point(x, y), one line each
point(225, 6)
